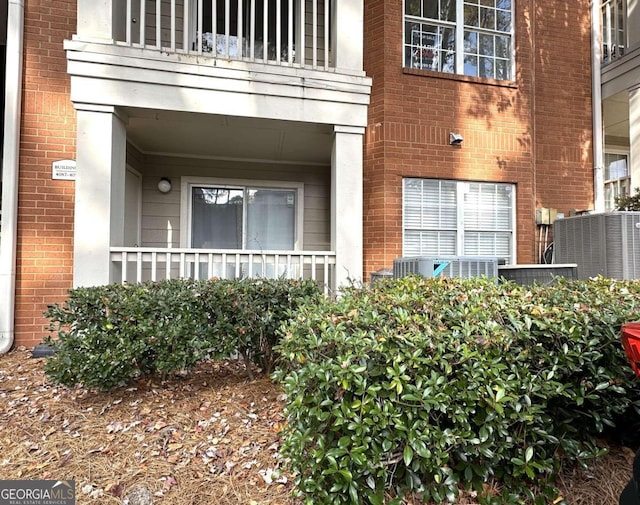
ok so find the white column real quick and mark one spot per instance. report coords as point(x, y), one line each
point(634, 138)
point(346, 203)
point(100, 19)
point(100, 191)
point(347, 34)
point(633, 24)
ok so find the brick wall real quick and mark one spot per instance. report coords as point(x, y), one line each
point(534, 132)
point(45, 206)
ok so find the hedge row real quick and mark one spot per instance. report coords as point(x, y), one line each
point(428, 386)
point(106, 336)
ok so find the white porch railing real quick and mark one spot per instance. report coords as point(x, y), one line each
point(280, 32)
point(138, 264)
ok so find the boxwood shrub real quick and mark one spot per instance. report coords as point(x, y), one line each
point(247, 313)
point(107, 336)
point(430, 386)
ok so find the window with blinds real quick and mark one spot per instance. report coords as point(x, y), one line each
point(456, 218)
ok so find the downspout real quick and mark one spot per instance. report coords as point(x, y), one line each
point(596, 98)
point(10, 158)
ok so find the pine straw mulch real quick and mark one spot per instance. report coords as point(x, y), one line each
point(210, 436)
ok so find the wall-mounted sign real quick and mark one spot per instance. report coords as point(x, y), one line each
point(64, 170)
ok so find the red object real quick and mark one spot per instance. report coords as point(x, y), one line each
point(631, 343)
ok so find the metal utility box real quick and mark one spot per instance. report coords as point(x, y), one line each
point(600, 244)
point(541, 274)
point(380, 275)
point(454, 266)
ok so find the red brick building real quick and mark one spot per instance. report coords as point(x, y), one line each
point(397, 130)
point(528, 129)
point(45, 209)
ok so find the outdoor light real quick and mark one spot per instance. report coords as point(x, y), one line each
point(164, 185)
point(455, 139)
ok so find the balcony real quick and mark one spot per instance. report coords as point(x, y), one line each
point(292, 60)
point(277, 32)
point(138, 264)
point(323, 35)
point(234, 94)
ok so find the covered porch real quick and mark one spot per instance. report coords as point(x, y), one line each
point(207, 196)
point(619, 97)
point(251, 112)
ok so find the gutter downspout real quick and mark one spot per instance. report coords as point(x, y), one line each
point(596, 98)
point(10, 165)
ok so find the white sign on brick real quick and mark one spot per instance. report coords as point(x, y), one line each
point(64, 170)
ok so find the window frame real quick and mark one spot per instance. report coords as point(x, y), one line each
point(461, 187)
point(186, 204)
point(619, 181)
point(460, 30)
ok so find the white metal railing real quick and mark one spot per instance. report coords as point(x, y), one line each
point(280, 32)
point(614, 21)
point(614, 189)
point(138, 264)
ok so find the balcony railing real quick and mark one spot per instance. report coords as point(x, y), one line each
point(278, 32)
point(138, 264)
point(614, 21)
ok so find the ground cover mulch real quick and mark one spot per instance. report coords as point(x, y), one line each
point(207, 436)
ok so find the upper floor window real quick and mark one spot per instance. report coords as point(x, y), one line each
point(468, 37)
point(614, 18)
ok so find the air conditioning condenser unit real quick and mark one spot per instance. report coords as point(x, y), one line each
point(605, 244)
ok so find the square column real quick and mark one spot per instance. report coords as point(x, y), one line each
point(346, 203)
point(103, 20)
point(634, 139)
point(348, 34)
point(100, 192)
point(633, 23)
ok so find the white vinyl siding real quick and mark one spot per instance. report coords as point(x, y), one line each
point(161, 212)
point(456, 218)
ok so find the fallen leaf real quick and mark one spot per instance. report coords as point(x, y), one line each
point(169, 482)
point(159, 425)
point(117, 490)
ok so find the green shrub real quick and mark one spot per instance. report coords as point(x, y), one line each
point(628, 202)
point(248, 313)
point(429, 385)
point(109, 335)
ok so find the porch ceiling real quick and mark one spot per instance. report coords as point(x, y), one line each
point(228, 137)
